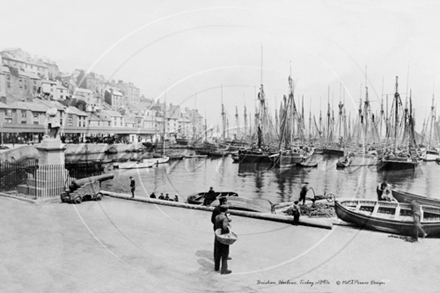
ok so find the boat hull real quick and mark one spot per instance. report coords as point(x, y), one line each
point(246, 204)
point(333, 152)
point(403, 196)
point(395, 165)
point(198, 198)
point(249, 157)
point(387, 217)
point(430, 156)
point(134, 165)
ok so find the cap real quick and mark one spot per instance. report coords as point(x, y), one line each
point(223, 208)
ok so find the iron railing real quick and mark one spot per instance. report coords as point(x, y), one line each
point(44, 181)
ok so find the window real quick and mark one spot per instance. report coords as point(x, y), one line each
point(9, 84)
point(23, 122)
point(23, 113)
point(36, 122)
point(9, 113)
point(36, 115)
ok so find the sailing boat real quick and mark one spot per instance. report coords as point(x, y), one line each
point(259, 154)
point(331, 147)
point(365, 132)
point(431, 154)
point(400, 160)
point(291, 126)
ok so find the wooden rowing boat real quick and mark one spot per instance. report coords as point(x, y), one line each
point(247, 204)
point(198, 198)
point(390, 217)
point(403, 196)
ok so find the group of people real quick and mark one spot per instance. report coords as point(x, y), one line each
point(152, 195)
point(166, 197)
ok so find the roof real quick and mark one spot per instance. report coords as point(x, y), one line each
point(29, 74)
point(19, 105)
point(94, 117)
point(4, 106)
point(50, 103)
point(36, 107)
point(74, 110)
point(111, 113)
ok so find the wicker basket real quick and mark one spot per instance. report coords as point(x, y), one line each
point(226, 239)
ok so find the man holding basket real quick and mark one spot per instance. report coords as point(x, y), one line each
point(221, 250)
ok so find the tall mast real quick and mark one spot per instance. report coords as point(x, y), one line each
point(245, 121)
point(223, 116)
point(164, 121)
point(396, 119)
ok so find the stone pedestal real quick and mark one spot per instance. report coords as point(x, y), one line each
point(50, 177)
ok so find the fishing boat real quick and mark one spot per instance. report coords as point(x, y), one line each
point(333, 151)
point(400, 159)
point(392, 163)
point(430, 155)
point(194, 156)
point(198, 198)
point(254, 156)
point(390, 217)
point(403, 196)
point(142, 163)
point(133, 165)
point(246, 204)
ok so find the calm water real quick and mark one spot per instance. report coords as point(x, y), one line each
point(188, 176)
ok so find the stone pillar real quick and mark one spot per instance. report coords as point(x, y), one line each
point(51, 175)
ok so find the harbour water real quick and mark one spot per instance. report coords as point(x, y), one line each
point(188, 176)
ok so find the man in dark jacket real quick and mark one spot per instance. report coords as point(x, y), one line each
point(209, 197)
point(221, 252)
point(303, 193)
point(132, 186)
point(223, 200)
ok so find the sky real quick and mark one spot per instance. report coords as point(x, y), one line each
point(202, 53)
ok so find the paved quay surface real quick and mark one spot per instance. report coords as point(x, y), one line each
point(126, 246)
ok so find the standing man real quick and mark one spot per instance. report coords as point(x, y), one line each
point(302, 194)
point(417, 213)
point(296, 213)
point(221, 252)
point(223, 200)
point(209, 197)
point(132, 186)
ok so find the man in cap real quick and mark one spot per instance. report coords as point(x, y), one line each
point(302, 194)
point(223, 200)
point(209, 197)
point(221, 251)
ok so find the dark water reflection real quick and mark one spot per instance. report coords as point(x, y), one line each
point(188, 176)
